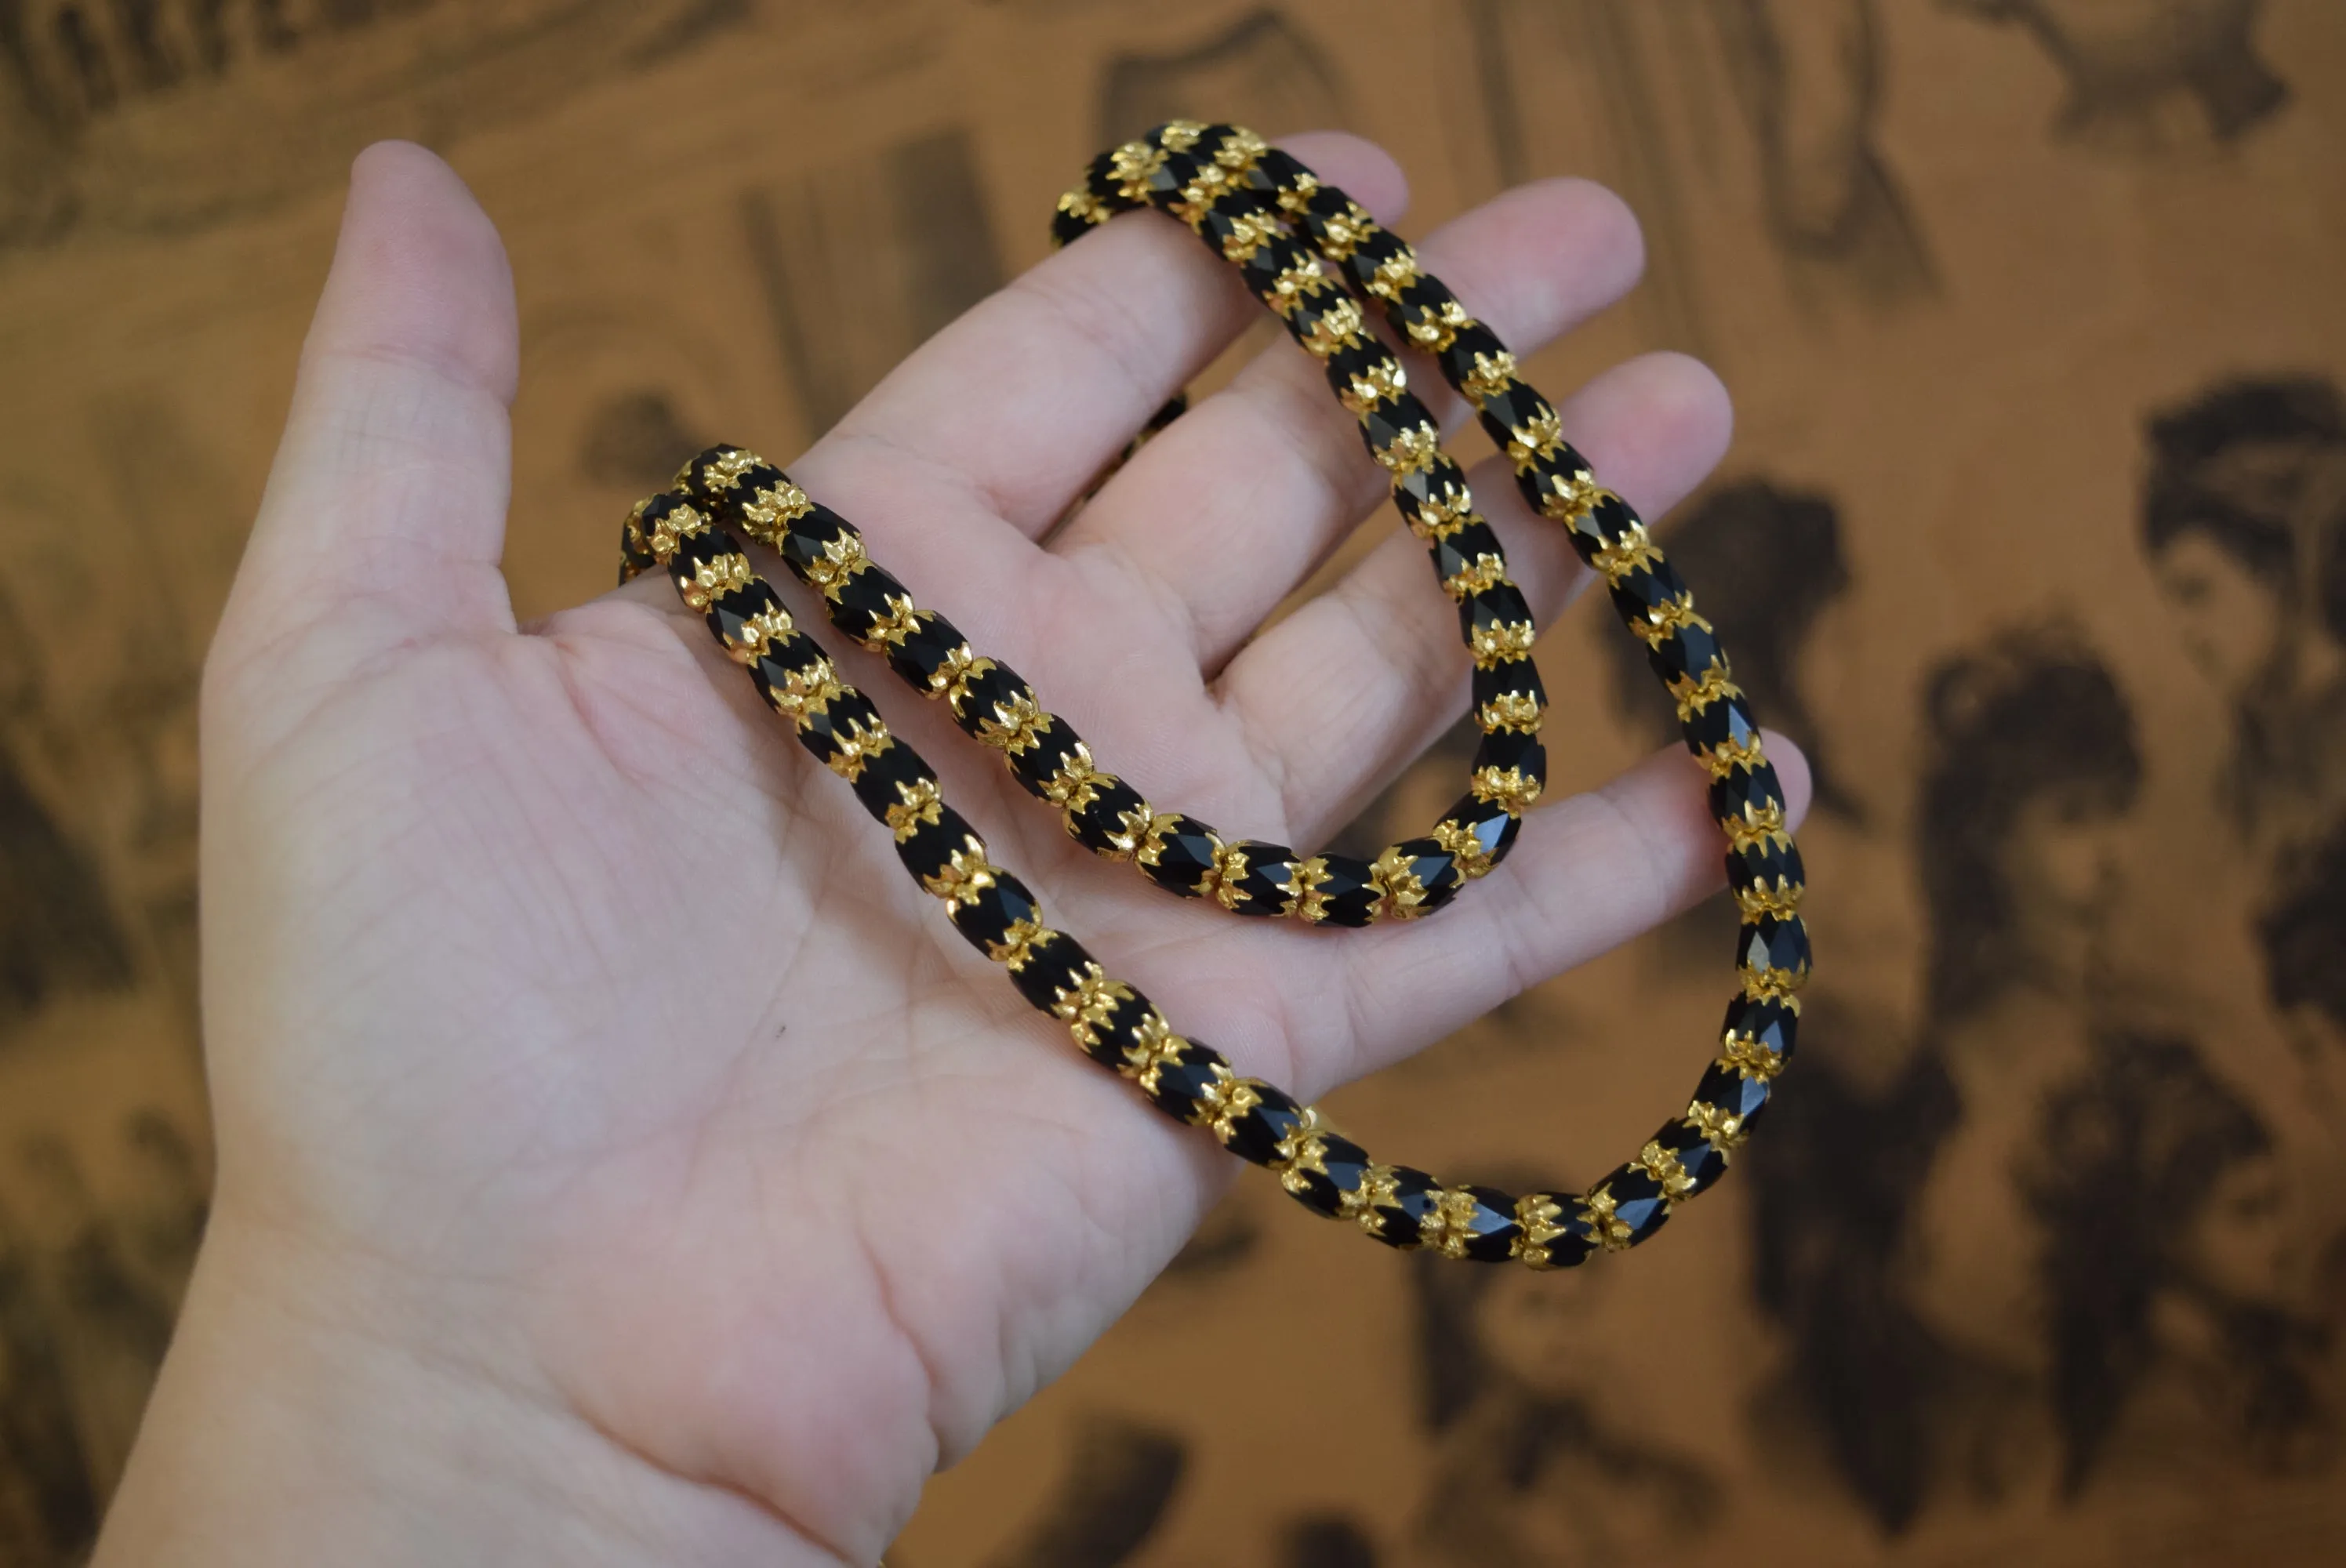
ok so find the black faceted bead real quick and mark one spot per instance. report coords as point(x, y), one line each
point(881, 782)
point(1420, 307)
point(1480, 1224)
point(986, 920)
point(1371, 253)
point(984, 691)
point(1056, 965)
point(1432, 870)
point(1505, 749)
point(1703, 1161)
point(1457, 361)
point(1114, 822)
point(1646, 589)
point(1179, 1079)
point(1515, 677)
point(1761, 1028)
point(730, 612)
point(1222, 216)
point(1325, 1170)
point(725, 502)
point(1305, 316)
point(1515, 409)
point(634, 548)
point(845, 723)
point(1277, 255)
point(1573, 1240)
point(1385, 422)
point(1255, 1133)
point(1766, 864)
point(1177, 170)
point(1277, 169)
point(1735, 1100)
point(1746, 790)
point(1356, 360)
point(1547, 479)
point(1605, 521)
point(804, 543)
point(784, 658)
point(855, 603)
point(1777, 946)
point(1344, 892)
point(1441, 484)
point(1111, 1038)
point(700, 549)
point(1067, 228)
point(1499, 605)
point(930, 851)
point(1055, 745)
point(1462, 549)
point(1399, 1218)
point(1685, 653)
point(1268, 883)
point(1640, 1206)
point(921, 658)
point(1178, 854)
point(1725, 722)
point(1492, 827)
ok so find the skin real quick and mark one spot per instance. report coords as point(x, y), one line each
point(2062, 860)
point(618, 1161)
point(2230, 622)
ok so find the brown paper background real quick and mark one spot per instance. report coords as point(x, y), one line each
point(1950, 258)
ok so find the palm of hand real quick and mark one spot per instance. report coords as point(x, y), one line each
point(544, 963)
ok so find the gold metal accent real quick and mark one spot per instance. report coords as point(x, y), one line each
point(1619, 557)
point(1131, 827)
point(1509, 789)
point(1755, 826)
point(1732, 753)
point(1014, 724)
point(856, 747)
point(1747, 1057)
point(1501, 642)
point(1297, 284)
point(1771, 984)
point(1132, 166)
point(1517, 710)
point(1084, 205)
point(1724, 1130)
point(1229, 869)
point(1536, 1214)
point(1399, 889)
point(1411, 451)
point(677, 524)
point(917, 805)
point(1342, 235)
point(1485, 571)
point(1377, 1189)
point(1437, 334)
point(1339, 326)
point(1654, 627)
point(725, 574)
point(954, 671)
point(842, 558)
point(1760, 901)
point(1373, 385)
point(1180, 135)
point(809, 688)
point(1395, 273)
point(1465, 850)
point(1600, 1206)
point(1092, 1002)
point(1152, 1042)
point(966, 872)
point(1015, 947)
point(1225, 1101)
point(1441, 515)
point(1567, 498)
point(1241, 148)
point(1297, 195)
point(1075, 775)
point(759, 633)
point(889, 631)
point(1493, 375)
point(1542, 435)
point(1151, 853)
point(1301, 1153)
point(1250, 231)
point(1307, 902)
point(725, 470)
point(1666, 1168)
point(770, 510)
point(1695, 694)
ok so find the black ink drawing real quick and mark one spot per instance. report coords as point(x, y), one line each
point(863, 263)
point(1263, 71)
point(2244, 524)
point(2150, 77)
point(2302, 935)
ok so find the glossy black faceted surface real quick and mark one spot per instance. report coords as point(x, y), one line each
point(1639, 1205)
point(1181, 1079)
point(729, 612)
point(1385, 422)
point(1254, 1135)
point(1117, 1031)
point(830, 732)
point(1371, 252)
point(1504, 748)
point(989, 916)
point(1054, 744)
point(1646, 589)
point(1726, 721)
point(1765, 864)
point(1269, 879)
point(1491, 1228)
point(1322, 1191)
point(804, 543)
point(783, 658)
point(920, 659)
point(1728, 1090)
point(1687, 652)
point(1703, 1162)
point(1436, 871)
point(1348, 896)
point(1441, 480)
point(1457, 361)
point(930, 847)
point(1769, 1025)
point(1502, 604)
point(982, 692)
point(1745, 791)
point(1493, 828)
point(1401, 1222)
point(1516, 409)
point(1355, 360)
point(1183, 858)
point(1277, 255)
point(1512, 678)
point(855, 603)
point(1111, 815)
point(1057, 965)
point(1770, 944)
point(878, 785)
point(1575, 1241)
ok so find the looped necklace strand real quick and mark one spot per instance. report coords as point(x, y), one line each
point(1272, 217)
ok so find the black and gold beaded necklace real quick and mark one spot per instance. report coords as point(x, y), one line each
point(1283, 228)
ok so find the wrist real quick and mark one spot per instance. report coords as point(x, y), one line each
point(311, 1411)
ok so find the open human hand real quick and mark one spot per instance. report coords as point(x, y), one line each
point(618, 1159)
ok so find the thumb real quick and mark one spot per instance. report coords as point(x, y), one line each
point(386, 511)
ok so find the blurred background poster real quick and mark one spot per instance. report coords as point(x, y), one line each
point(2033, 533)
